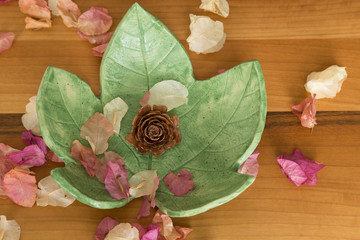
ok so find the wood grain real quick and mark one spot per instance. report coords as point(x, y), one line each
point(290, 39)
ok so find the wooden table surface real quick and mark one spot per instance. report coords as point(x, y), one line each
point(290, 39)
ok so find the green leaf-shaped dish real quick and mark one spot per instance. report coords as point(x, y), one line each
point(221, 125)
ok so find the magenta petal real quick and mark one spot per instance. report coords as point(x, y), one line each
point(299, 169)
point(116, 181)
point(104, 227)
point(222, 70)
point(31, 156)
point(145, 208)
point(140, 228)
point(251, 165)
point(4, 1)
point(30, 139)
point(152, 233)
point(179, 184)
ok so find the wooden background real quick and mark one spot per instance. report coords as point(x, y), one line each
point(290, 39)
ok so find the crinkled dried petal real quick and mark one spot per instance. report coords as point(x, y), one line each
point(33, 24)
point(123, 231)
point(167, 229)
point(104, 227)
point(251, 165)
point(97, 130)
point(50, 193)
point(6, 149)
point(20, 187)
point(116, 182)
point(86, 156)
point(53, 7)
point(69, 12)
point(168, 93)
point(179, 184)
point(95, 21)
point(299, 169)
point(108, 156)
point(52, 157)
point(183, 232)
point(5, 166)
point(31, 156)
point(30, 139)
point(152, 233)
point(145, 208)
point(219, 7)
point(9, 229)
point(6, 41)
point(35, 8)
point(115, 110)
point(326, 84)
point(140, 228)
point(97, 39)
point(207, 36)
point(30, 119)
point(306, 112)
point(142, 183)
point(99, 51)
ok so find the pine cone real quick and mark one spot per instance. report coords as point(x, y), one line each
point(154, 131)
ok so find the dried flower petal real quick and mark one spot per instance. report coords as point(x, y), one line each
point(53, 7)
point(306, 112)
point(30, 119)
point(299, 169)
point(183, 232)
point(100, 50)
point(116, 182)
point(52, 157)
point(69, 12)
point(30, 139)
point(97, 39)
point(167, 229)
point(5, 166)
point(108, 156)
point(50, 193)
point(145, 208)
point(140, 228)
point(4, 1)
point(31, 156)
point(20, 187)
point(222, 70)
point(326, 84)
point(95, 21)
point(219, 7)
point(179, 184)
point(35, 8)
point(104, 227)
point(9, 229)
point(33, 24)
point(207, 36)
point(115, 110)
point(86, 156)
point(6, 149)
point(251, 165)
point(152, 233)
point(123, 231)
point(142, 183)
point(97, 130)
point(169, 93)
point(6, 41)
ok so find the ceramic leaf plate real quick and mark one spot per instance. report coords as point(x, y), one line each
point(221, 125)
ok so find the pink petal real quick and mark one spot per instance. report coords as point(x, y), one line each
point(35, 8)
point(167, 229)
point(140, 228)
point(222, 70)
point(108, 156)
point(145, 208)
point(97, 39)
point(100, 50)
point(116, 182)
point(31, 156)
point(5, 166)
point(69, 12)
point(104, 227)
point(95, 21)
point(5, 149)
point(183, 231)
point(152, 233)
point(299, 169)
point(251, 165)
point(306, 112)
point(144, 101)
point(30, 139)
point(4, 1)
point(97, 130)
point(20, 187)
point(52, 157)
point(86, 156)
point(6, 40)
point(33, 24)
point(156, 185)
point(179, 184)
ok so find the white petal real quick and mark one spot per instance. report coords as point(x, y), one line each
point(52, 194)
point(170, 93)
point(220, 7)
point(115, 110)
point(30, 119)
point(142, 183)
point(123, 231)
point(53, 7)
point(207, 36)
point(326, 84)
point(9, 230)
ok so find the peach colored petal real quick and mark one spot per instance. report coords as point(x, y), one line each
point(100, 50)
point(69, 12)
point(6, 40)
point(86, 156)
point(95, 21)
point(35, 8)
point(306, 112)
point(96, 39)
point(33, 24)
